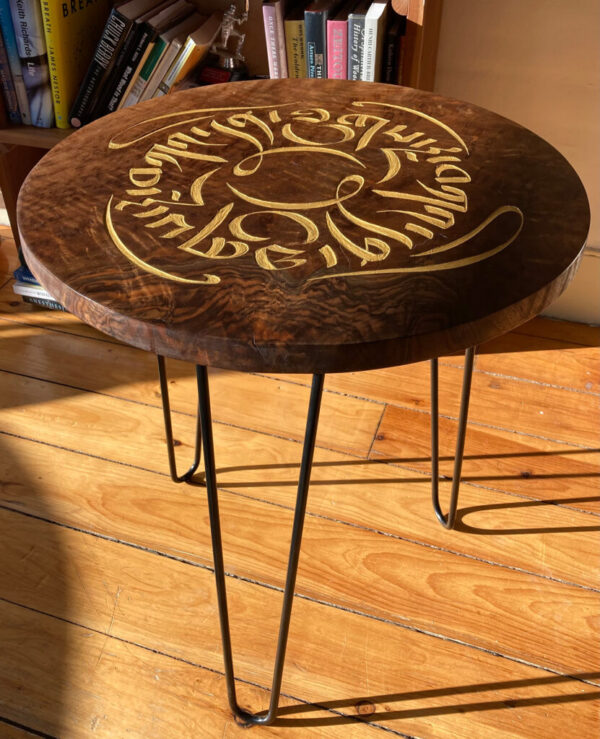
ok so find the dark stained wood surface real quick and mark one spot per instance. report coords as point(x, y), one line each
point(303, 225)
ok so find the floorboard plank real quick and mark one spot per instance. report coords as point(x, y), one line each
point(497, 459)
point(549, 624)
point(170, 607)
point(252, 401)
point(146, 508)
point(551, 328)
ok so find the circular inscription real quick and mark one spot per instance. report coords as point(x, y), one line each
point(213, 184)
point(303, 225)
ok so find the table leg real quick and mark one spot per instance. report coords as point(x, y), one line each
point(243, 716)
point(449, 520)
point(164, 391)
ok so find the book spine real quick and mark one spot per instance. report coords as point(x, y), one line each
point(337, 50)
point(43, 303)
point(148, 68)
point(356, 33)
point(113, 36)
point(174, 71)
point(392, 56)
point(368, 57)
point(295, 43)
point(34, 290)
point(8, 89)
point(29, 35)
point(23, 274)
point(316, 61)
point(163, 66)
point(61, 112)
point(10, 43)
point(131, 55)
point(275, 40)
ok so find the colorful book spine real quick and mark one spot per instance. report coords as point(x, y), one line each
point(133, 95)
point(10, 43)
point(316, 41)
point(71, 36)
point(131, 53)
point(337, 49)
point(8, 89)
point(356, 31)
point(114, 34)
point(375, 20)
point(31, 44)
point(295, 42)
point(275, 38)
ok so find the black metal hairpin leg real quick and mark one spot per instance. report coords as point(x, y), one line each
point(448, 521)
point(243, 716)
point(164, 391)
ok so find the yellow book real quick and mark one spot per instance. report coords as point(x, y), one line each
point(295, 43)
point(72, 30)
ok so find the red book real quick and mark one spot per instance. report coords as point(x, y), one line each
point(337, 46)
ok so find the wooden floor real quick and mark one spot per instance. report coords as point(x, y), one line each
point(108, 618)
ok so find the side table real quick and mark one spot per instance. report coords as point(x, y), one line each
point(302, 226)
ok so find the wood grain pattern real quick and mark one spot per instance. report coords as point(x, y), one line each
point(432, 225)
point(158, 601)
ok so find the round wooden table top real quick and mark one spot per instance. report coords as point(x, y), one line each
point(303, 225)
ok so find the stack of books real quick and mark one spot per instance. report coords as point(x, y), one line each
point(31, 291)
point(65, 64)
point(355, 39)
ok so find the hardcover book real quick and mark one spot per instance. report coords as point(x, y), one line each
point(72, 33)
point(315, 22)
point(174, 39)
point(31, 44)
point(337, 43)
point(193, 51)
point(8, 89)
point(295, 43)
point(375, 21)
point(117, 28)
point(391, 69)
point(14, 61)
point(275, 38)
point(356, 35)
point(136, 50)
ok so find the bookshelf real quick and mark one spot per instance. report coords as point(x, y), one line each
point(22, 146)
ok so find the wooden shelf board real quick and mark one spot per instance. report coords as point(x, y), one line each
point(41, 138)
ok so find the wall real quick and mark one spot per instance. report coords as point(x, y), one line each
point(538, 63)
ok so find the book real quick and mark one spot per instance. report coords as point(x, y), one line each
point(35, 293)
point(43, 302)
point(72, 33)
point(315, 23)
point(31, 45)
point(136, 50)
point(14, 61)
point(337, 43)
point(275, 38)
point(391, 68)
point(24, 274)
point(295, 42)
point(115, 32)
point(174, 38)
point(375, 21)
point(3, 113)
point(192, 52)
point(356, 36)
point(8, 89)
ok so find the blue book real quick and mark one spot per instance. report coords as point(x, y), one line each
point(24, 274)
point(31, 44)
point(10, 44)
point(8, 89)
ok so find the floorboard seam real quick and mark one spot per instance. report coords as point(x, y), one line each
point(276, 588)
point(199, 666)
point(28, 729)
point(113, 342)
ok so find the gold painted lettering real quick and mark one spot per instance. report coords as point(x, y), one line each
point(175, 218)
point(214, 223)
point(144, 176)
point(264, 260)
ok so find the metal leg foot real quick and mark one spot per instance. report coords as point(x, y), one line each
point(243, 716)
point(448, 521)
point(164, 391)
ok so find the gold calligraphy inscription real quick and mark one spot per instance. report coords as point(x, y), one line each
point(365, 191)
